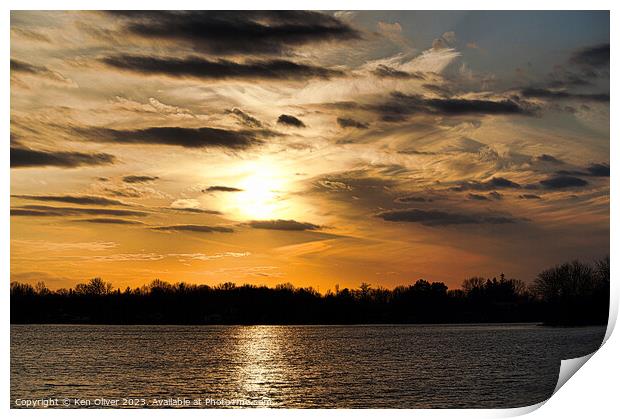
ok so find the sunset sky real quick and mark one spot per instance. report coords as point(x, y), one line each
point(316, 148)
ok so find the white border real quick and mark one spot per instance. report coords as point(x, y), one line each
point(593, 392)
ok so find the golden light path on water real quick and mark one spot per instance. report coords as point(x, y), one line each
point(262, 363)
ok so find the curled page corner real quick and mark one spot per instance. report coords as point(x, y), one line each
point(568, 368)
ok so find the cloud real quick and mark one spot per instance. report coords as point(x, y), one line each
point(494, 183)
point(529, 196)
point(561, 182)
point(436, 218)
point(445, 41)
point(24, 68)
point(401, 105)
point(384, 71)
point(496, 195)
point(202, 256)
point(593, 56)
point(394, 32)
point(488, 197)
point(474, 106)
point(120, 221)
point(596, 169)
point(49, 246)
point(127, 192)
point(439, 90)
point(351, 123)
point(139, 179)
point(549, 159)
point(30, 35)
point(562, 95)
point(218, 188)
point(286, 225)
point(245, 118)
point(194, 228)
point(332, 185)
point(48, 211)
point(201, 68)
point(127, 257)
point(175, 136)
point(25, 157)
point(477, 197)
point(411, 198)
point(237, 32)
point(73, 199)
point(195, 210)
point(152, 107)
point(290, 121)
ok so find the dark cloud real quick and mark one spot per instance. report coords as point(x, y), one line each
point(400, 106)
point(494, 183)
point(286, 225)
point(139, 179)
point(73, 199)
point(549, 159)
point(568, 79)
point(22, 67)
point(529, 196)
point(120, 221)
point(245, 118)
point(436, 218)
point(496, 195)
point(195, 228)
point(175, 136)
point(473, 106)
point(201, 68)
point(477, 197)
point(562, 95)
point(47, 211)
point(596, 169)
point(25, 157)
point(18, 66)
point(561, 182)
point(238, 32)
point(219, 188)
point(290, 120)
point(593, 56)
point(583, 68)
point(384, 71)
point(351, 123)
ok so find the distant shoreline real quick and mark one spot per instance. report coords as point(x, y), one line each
point(571, 294)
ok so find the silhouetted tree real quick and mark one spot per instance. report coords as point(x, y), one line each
point(95, 286)
point(575, 292)
point(569, 294)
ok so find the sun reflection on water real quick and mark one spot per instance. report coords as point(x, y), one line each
point(262, 367)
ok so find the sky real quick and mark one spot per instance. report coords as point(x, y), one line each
point(305, 147)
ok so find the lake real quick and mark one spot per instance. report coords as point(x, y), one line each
point(366, 366)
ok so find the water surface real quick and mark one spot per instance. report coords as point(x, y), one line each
point(378, 366)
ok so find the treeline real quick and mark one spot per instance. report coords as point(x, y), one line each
point(574, 293)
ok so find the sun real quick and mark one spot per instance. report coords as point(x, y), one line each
point(263, 186)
